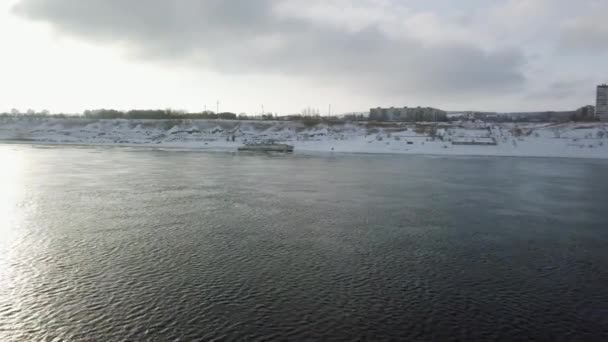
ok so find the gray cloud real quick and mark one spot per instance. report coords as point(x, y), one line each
point(564, 89)
point(587, 34)
point(245, 36)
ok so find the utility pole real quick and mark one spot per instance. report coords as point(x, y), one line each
point(217, 107)
point(263, 110)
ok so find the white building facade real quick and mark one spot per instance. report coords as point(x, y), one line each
point(601, 106)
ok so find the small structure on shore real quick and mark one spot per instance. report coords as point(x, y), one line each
point(475, 141)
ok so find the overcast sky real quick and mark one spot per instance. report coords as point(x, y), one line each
point(502, 55)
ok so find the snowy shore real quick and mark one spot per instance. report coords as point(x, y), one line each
point(573, 140)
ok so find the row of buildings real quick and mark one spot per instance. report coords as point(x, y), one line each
point(406, 114)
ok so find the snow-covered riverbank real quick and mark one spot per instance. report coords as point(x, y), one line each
point(577, 140)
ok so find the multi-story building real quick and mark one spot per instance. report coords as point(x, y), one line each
point(417, 114)
point(601, 106)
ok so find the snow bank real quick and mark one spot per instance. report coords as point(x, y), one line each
point(536, 140)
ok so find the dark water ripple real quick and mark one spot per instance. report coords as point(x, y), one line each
point(167, 246)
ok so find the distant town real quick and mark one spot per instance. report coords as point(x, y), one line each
point(586, 113)
point(311, 116)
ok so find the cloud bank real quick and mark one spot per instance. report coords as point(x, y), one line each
point(378, 45)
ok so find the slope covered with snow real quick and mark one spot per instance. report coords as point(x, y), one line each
point(538, 140)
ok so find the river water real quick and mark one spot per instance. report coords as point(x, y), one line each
point(113, 244)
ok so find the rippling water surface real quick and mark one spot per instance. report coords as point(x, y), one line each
point(111, 244)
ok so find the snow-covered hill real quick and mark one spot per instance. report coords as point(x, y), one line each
point(539, 140)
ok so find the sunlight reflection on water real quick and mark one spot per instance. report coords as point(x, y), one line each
point(12, 188)
point(13, 164)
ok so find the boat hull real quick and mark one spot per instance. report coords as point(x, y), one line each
point(267, 148)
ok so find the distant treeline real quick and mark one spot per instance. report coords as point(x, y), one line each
point(157, 114)
point(170, 114)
